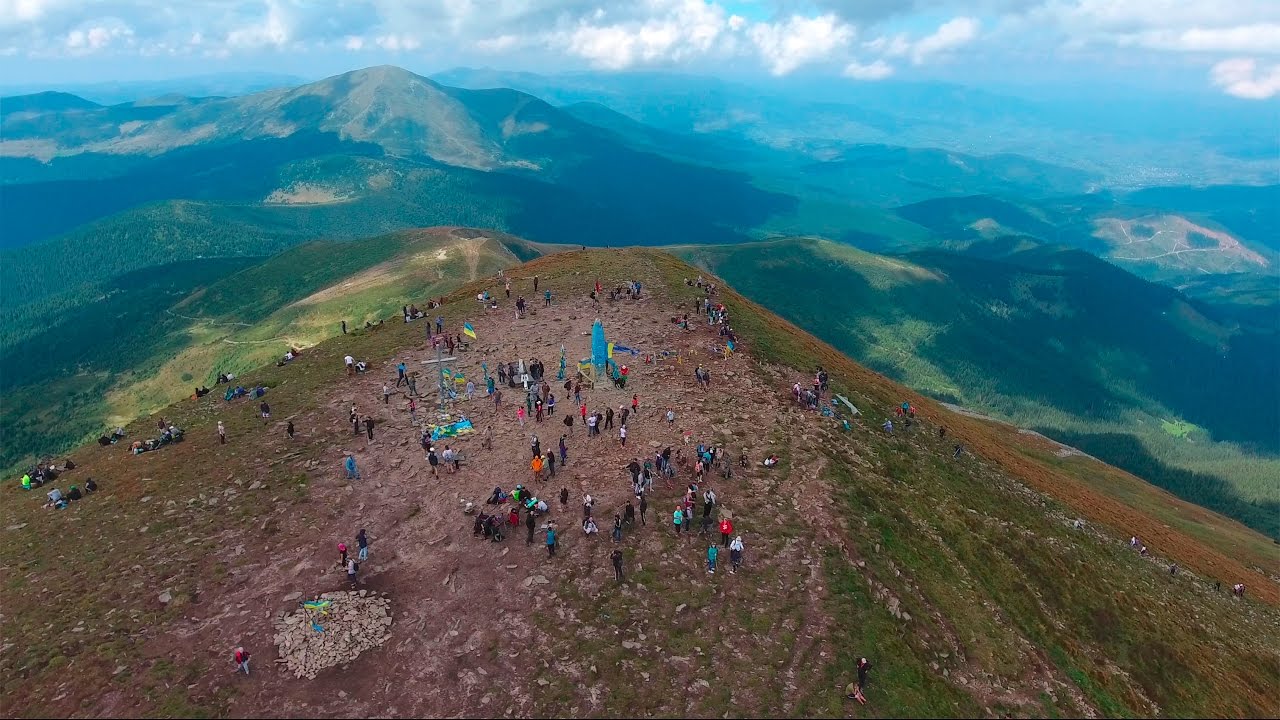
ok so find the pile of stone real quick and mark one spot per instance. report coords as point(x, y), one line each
point(355, 622)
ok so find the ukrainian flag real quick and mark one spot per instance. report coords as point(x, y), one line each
point(468, 330)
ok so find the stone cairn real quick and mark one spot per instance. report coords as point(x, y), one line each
point(355, 622)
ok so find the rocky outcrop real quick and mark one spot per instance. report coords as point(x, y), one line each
point(353, 623)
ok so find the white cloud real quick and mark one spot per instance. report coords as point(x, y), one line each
point(499, 44)
point(396, 43)
point(92, 38)
point(1243, 78)
point(274, 29)
point(353, 42)
point(877, 70)
point(1260, 38)
point(949, 36)
point(676, 30)
point(797, 41)
point(895, 46)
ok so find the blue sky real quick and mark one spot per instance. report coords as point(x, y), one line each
point(1230, 47)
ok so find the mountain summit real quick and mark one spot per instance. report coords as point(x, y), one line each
point(404, 114)
point(981, 571)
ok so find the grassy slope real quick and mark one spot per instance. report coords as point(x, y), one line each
point(1011, 611)
point(162, 333)
point(1091, 355)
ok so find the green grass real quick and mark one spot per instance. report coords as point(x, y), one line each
point(167, 329)
point(1056, 341)
point(1178, 428)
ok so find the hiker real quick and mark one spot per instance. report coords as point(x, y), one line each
point(588, 502)
point(342, 552)
point(551, 539)
point(616, 557)
point(529, 525)
point(564, 497)
point(222, 433)
point(546, 299)
point(608, 418)
point(564, 449)
point(592, 422)
point(629, 514)
point(242, 660)
point(635, 404)
point(352, 568)
point(413, 412)
point(735, 554)
point(708, 502)
point(520, 415)
point(368, 425)
point(265, 409)
point(350, 362)
point(1173, 570)
point(362, 541)
point(535, 446)
point(551, 405)
point(888, 426)
point(644, 506)
point(589, 526)
point(550, 462)
point(863, 668)
point(536, 464)
point(448, 457)
point(90, 486)
point(677, 519)
point(433, 460)
point(959, 450)
point(726, 529)
point(622, 435)
point(712, 553)
point(617, 528)
point(344, 327)
point(671, 418)
point(352, 472)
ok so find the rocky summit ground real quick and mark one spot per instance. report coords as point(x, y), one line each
point(962, 579)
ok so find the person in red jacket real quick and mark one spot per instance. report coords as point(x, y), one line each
point(726, 529)
point(242, 660)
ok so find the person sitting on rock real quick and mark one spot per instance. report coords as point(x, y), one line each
point(497, 497)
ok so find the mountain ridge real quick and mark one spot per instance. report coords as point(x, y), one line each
point(965, 580)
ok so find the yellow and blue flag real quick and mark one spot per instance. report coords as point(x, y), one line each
point(468, 330)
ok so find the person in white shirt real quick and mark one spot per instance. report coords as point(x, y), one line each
point(351, 364)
